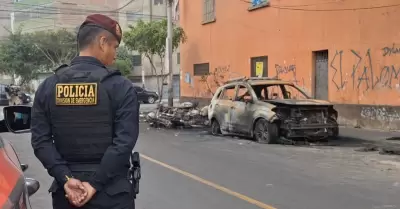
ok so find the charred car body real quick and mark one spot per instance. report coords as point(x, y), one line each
point(269, 108)
point(186, 114)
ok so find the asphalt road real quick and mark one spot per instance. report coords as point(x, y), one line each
point(192, 170)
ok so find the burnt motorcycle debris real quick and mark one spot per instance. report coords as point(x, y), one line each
point(186, 114)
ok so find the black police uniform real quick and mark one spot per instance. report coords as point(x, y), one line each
point(85, 124)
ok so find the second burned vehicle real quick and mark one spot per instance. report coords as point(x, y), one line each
point(267, 109)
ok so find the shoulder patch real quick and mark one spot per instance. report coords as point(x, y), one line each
point(76, 94)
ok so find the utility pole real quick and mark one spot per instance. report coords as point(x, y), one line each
point(12, 19)
point(169, 48)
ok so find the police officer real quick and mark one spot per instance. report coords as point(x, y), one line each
point(85, 123)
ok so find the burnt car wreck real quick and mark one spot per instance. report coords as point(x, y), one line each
point(185, 115)
point(311, 121)
point(269, 109)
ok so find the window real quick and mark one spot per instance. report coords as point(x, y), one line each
point(138, 89)
point(201, 69)
point(241, 93)
point(208, 11)
point(274, 92)
point(293, 93)
point(178, 58)
point(137, 60)
point(158, 2)
point(228, 93)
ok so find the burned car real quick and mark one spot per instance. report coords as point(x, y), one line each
point(267, 109)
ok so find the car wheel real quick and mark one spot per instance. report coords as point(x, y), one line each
point(151, 100)
point(265, 132)
point(335, 130)
point(215, 128)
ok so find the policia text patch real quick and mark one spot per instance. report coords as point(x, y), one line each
point(76, 94)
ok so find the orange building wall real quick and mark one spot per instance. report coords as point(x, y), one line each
point(360, 70)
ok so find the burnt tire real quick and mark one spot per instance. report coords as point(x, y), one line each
point(335, 134)
point(215, 128)
point(265, 132)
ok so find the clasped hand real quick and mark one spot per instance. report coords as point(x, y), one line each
point(78, 193)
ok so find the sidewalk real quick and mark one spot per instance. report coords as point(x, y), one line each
point(372, 137)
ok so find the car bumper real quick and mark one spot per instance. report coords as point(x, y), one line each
point(309, 130)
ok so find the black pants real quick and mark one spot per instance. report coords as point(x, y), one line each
point(117, 194)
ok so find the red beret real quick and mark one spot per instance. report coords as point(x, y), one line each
point(106, 23)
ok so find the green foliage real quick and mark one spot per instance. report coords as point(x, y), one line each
point(148, 38)
point(25, 55)
point(57, 47)
point(124, 66)
point(123, 63)
point(19, 57)
point(123, 53)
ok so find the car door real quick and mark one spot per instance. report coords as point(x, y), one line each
point(222, 106)
point(140, 93)
point(241, 111)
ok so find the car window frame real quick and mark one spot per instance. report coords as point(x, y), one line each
point(224, 91)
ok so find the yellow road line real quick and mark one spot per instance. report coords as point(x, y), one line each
point(211, 184)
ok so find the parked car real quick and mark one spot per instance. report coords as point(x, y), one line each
point(25, 98)
point(146, 96)
point(269, 108)
point(15, 188)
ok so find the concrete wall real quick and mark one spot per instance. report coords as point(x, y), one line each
point(5, 20)
point(363, 50)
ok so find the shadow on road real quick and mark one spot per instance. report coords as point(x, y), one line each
point(389, 146)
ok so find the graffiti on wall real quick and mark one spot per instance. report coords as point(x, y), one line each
point(380, 113)
point(289, 72)
point(337, 78)
point(286, 70)
point(364, 76)
point(388, 51)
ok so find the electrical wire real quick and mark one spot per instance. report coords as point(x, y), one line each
point(56, 8)
point(328, 10)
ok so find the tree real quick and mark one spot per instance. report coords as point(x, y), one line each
point(25, 55)
point(149, 38)
point(19, 58)
point(123, 63)
point(57, 47)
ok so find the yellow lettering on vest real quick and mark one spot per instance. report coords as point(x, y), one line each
point(91, 92)
point(71, 94)
point(81, 91)
point(59, 91)
point(71, 91)
point(66, 91)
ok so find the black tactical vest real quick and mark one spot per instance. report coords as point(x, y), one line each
point(81, 133)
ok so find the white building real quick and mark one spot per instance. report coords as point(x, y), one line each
point(149, 10)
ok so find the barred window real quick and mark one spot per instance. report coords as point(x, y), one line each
point(208, 11)
point(201, 69)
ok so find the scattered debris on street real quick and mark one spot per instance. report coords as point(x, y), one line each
point(186, 115)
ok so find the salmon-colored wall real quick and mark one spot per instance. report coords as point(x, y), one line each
point(289, 36)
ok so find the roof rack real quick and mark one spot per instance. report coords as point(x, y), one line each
point(264, 78)
point(244, 78)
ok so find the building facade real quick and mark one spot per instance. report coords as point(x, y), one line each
point(37, 15)
point(142, 74)
point(347, 52)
